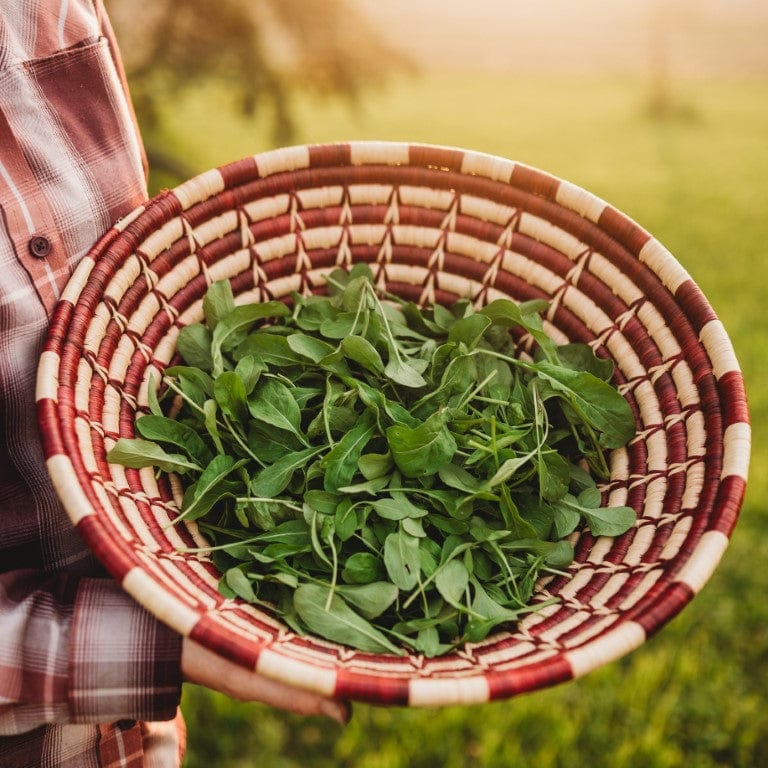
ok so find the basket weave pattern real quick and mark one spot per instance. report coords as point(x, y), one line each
point(436, 224)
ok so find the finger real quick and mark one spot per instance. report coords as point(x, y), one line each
point(204, 667)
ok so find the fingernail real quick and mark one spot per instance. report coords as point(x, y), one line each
point(339, 711)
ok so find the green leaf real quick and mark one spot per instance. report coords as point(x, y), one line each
point(581, 357)
point(311, 311)
point(457, 477)
point(514, 521)
point(194, 346)
point(152, 399)
point(374, 465)
point(138, 453)
point(372, 599)
point(340, 463)
point(232, 329)
point(384, 409)
point(249, 369)
point(339, 326)
point(421, 450)
point(322, 501)
point(339, 622)
point(404, 373)
point(269, 349)
point(361, 351)
point(272, 403)
point(293, 533)
point(469, 330)
point(565, 519)
point(212, 486)
point(452, 580)
point(507, 313)
point(372, 486)
point(211, 424)
point(596, 401)
point(397, 509)
point(362, 568)
point(554, 475)
point(272, 480)
point(218, 302)
point(401, 559)
point(199, 378)
point(161, 429)
point(308, 346)
point(229, 392)
point(484, 605)
point(239, 583)
point(336, 419)
point(610, 521)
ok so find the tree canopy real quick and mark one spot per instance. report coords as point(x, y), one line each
point(262, 51)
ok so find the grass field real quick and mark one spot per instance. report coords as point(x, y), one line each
point(695, 694)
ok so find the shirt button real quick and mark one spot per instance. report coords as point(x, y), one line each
point(39, 246)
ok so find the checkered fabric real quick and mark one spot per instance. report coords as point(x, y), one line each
point(76, 652)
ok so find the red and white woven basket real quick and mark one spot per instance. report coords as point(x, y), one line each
point(436, 223)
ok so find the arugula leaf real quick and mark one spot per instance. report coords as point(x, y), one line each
point(194, 345)
point(338, 622)
point(273, 480)
point(602, 521)
point(371, 599)
point(423, 449)
point(401, 559)
point(161, 429)
point(218, 302)
point(595, 401)
point(138, 453)
point(212, 486)
point(272, 403)
point(340, 463)
point(232, 329)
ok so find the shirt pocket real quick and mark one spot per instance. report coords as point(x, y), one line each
point(85, 96)
point(72, 156)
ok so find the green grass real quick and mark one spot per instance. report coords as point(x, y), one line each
point(695, 694)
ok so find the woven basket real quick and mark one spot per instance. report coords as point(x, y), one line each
point(435, 223)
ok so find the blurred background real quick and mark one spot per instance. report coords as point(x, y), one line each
point(659, 107)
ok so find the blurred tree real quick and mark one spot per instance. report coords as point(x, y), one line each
point(667, 19)
point(261, 50)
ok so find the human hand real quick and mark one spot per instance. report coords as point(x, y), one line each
point(204, 667)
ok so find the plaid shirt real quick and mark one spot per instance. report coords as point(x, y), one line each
point(75, 651)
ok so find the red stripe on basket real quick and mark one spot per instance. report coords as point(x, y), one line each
point(651, 615)
point(238, 172)
point(107, 545)
point(324, 155)
point(539, 675)
point(59, 327)
point(623, 229)
point(438, 157)
point(534, 181)
point(381, 690)
point(158, 211)
point(730, 495)
point(731, 387)
point(695, 305)
point(50, 436)
point(211, 634)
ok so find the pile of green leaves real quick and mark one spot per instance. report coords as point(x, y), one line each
point(379, 474)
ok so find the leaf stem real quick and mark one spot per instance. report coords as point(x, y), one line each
point(258, 499)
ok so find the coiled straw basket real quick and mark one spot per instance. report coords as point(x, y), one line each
point(436, 223)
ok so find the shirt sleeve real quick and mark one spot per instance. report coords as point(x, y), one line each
point(81, 651)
